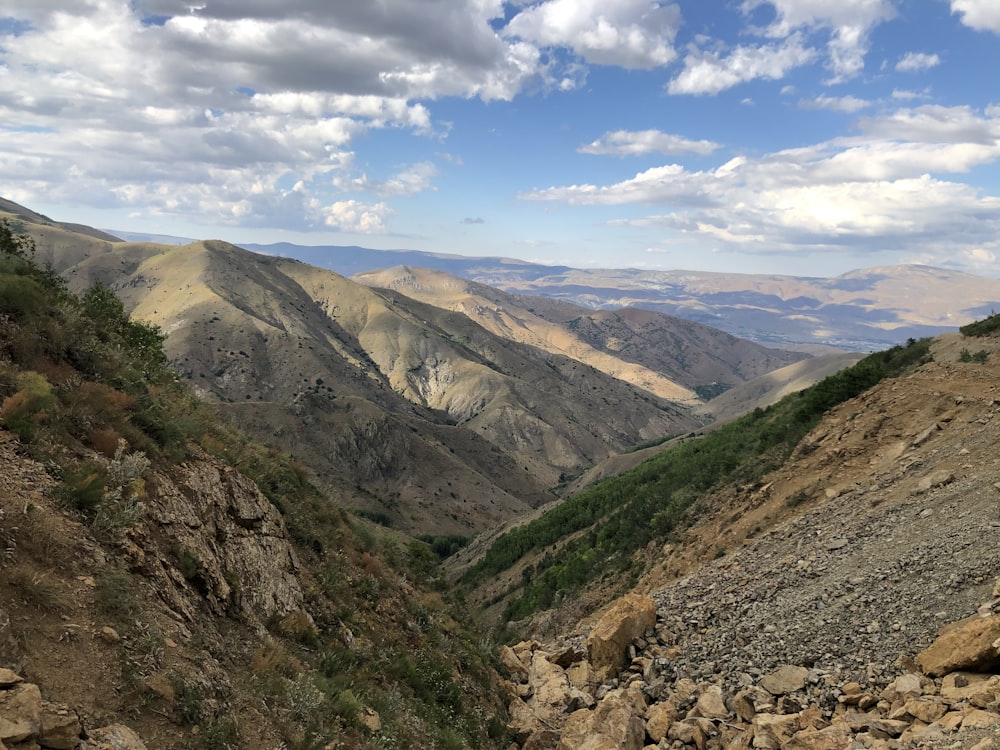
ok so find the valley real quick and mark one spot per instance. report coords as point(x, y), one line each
point(307, 448)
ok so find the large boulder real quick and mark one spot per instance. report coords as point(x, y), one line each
point(20, 712)
point(624, 621)
point(615, 724)
point(968, 645)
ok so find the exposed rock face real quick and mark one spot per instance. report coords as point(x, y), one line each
point(624, 621)
point(235, 549)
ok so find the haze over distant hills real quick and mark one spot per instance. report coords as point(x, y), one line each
point(861, 310)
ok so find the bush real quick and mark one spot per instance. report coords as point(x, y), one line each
point(984, 327)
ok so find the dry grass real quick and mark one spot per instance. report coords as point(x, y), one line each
point(37, 590)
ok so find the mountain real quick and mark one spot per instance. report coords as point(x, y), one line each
point(825, 605)
point(425, 419)
point(167, 583)
point(818, 573)
point(862, 310)
point(669, 357)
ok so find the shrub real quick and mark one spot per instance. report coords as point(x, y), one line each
point(984, 327)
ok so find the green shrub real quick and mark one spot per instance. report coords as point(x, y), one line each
point(984, 327)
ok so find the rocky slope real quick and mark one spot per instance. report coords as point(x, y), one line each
point(797, 614)
point(161, 571)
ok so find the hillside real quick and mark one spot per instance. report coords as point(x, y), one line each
point(166, 583)
point(426, 420)
point(445, 411)
point(862, 310)
point(669, 357)
point(803, 610)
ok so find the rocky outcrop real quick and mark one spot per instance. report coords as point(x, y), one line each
point(210, 535)
point(28, 721)
point(971, 645)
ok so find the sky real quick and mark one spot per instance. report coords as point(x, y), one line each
point(807, 137)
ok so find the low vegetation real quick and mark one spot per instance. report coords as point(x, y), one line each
point(599, 530)
point(979, 328)
point(88, 393)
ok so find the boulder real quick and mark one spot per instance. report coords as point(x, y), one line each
point(114, 737)
point(771, 731)
point(60, 727)
point(832, 738)
point(976, 718)
point(615, 724)
point(9, 678)
point(711, 704)
point(20, 712)
point(551, 689)
point(967, 645)
point(659, 717)
point(512, 662)
point(784, 680)
point(624, 621)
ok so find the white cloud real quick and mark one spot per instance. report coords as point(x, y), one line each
point(415, 179)
point(707, 72)
point(848, 23)
point(881, 189)
point(935, 124)
point(913, 62)
point(634, 143)
point(212, 113)
point(354, 216)
point(836, 103)
point(983, 15)
point(629, 33)
point(905, 94)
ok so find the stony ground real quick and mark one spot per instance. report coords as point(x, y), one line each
point(847, 563)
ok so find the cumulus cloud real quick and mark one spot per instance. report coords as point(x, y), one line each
point(848, 24)
point(215, 109)
point(629, 33)
point(913, 62)
point(414, 179)
point(982, 15)
point(635, 143)
point(883, 188)
point(354, 216)
point(709, 72)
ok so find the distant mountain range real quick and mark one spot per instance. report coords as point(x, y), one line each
point(443, 412)
point(862, 310)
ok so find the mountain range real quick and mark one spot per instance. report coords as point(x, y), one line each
point(433, 418)
point(796, 554)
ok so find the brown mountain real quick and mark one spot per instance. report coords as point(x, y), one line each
point(415, 412)
point(862, 310)
point(823, 606)
point(667, 356)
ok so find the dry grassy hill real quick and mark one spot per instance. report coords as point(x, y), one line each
point(669, 357)
point(423, 418)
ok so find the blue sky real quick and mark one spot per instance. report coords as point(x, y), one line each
point(808, 137)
